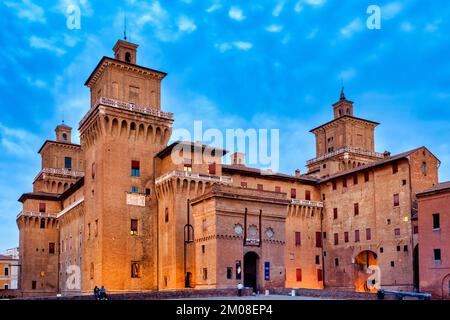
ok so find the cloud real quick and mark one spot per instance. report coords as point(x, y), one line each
point(391, 10)
point(236, 13)
point(26, 9)
point(37, 83)
point(216, 6)
point(17, 142)
point(278, 8)
point(84, 5)
point(274, 28)
point(298, 7)
point(312, 34)
point(432, 27)
point(315, 3)
point(351, 28)
point(186, 24)
point(347, 74)
point(47, 44)
point(238, 45)
point(406, 26)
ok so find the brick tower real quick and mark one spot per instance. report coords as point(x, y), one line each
point(345, 142)
point(120, 135)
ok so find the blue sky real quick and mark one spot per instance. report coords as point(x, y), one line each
point(247, 64)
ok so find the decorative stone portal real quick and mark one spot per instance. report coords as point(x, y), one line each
point(362, 262)
point(251, 260)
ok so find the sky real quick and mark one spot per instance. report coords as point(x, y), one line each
point(232, 64)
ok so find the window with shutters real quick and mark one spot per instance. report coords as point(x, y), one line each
point(212, 168)
point(134, 227)
point(336, 239)
point(298, 239)
point(356, 235)
point(307, 195)
point(346, 236)
point(335, 213)
point(135, 168)
point(319, 239)
point(396, 200)
point(68, 163)
point(368, 234)
point(298, 274)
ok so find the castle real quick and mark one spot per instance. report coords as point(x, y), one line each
point(117, 211)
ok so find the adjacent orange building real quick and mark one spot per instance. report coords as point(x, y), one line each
point(117, 210)
point(434, 240)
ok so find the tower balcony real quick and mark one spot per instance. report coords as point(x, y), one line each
point(344, 151)
point(66, 173)
point(307, 203)
point(34, 214)
point(194, 176)
point(127, 106)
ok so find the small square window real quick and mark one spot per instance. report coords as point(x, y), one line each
point(381, 250)
point(134, 189)
point(392, 264)
point(398, 248)
point(397, 232)
point(317, 259)
point(405, 248)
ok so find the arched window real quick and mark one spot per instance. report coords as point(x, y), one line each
point(340, 112)
point(64, 136)
point(424, 168)
point(128, 57)
point(348, 111)
point(133, 126)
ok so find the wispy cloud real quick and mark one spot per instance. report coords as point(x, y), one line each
point(46, 44)
point(347, 74)
point(278, 8)
point(391, 10)
point(315, 3)
point(406, 26)
point(354, 26)
point(274, 28)
point(236, 13)
point(214, 7)
point(433, 26)
point(298, 7)
point(186, 24)
point(84, 5)
point(17, 142)
point(239, 45)
point(26, 9)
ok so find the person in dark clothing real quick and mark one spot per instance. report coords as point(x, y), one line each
point(96, 293)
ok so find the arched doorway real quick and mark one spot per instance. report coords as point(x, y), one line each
point(416, 278)
point(251, 270)
point(363, 261)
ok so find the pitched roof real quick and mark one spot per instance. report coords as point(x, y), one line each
point(167, 150)
point(58, 142)
point(438, 188)
point(53, 196)
point(372, 164)
point(345, 117)
point(258, 172)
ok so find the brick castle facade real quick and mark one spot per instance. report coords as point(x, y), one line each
point(117, 211)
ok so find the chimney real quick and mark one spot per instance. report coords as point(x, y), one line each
point(297, 173)
point(238, 159)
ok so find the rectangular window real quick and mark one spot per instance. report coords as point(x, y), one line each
point(319, 239)
point(344, 182)
point(319, 275)
point(277, 189)
point(336, 239)
point(135, 168)
point(336, 262)
point(356, 208)
point(436, 221)
point(368, 234)
point(134, 189)
point(42, 226)
point(6, 271)
point(366, 176)
point(346, 236)
point(42, 207)
point(334, 184)
point(68, 162)
point(166, 215)
point(396, 200)
point(205, 274)
point(355, 179)
point(405, 248)
point(317, 259)
point(148, 191)
point(203, 248)
point(243, 184)
point(293, 193)
point(229, 273)
point(356, 235)
point(394, 168)
point(298, 274)
point(298, 239)
point(93, 171)
point(335, 213)
point(134, 227)
point(437, 254)
point(307, 195)
point(135, 270)
point(51, 248)
point(212, 168)
point(187, 165)
point(260, 187)
point(33, 285)
point(392, 264)
point(96, 228)
point(397, 232)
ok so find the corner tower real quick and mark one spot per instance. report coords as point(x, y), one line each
point(343, 143)
point(120, 135)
